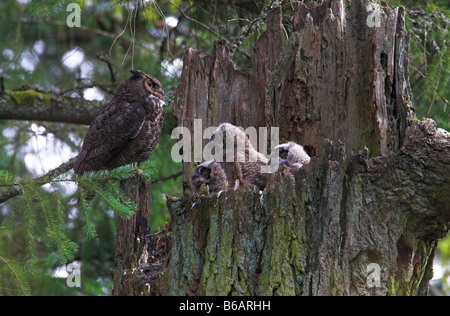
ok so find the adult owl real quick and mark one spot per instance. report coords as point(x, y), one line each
point(127, 129)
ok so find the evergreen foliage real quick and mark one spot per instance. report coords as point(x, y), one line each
point(14, 281)
point(41, 207)
point(430, 62)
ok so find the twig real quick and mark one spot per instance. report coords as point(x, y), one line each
point(252, 26)
point(418, 71)
point(82, 28)
point(48, 177)
point(108, 62)
point(165, 230)
point(445, 101)
point(172, 176)
point(197, 22)
point(2, 85)
point(208, 28)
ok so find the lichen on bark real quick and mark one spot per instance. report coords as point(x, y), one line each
point(320, 235)
point(248, 243)
point(38, 106)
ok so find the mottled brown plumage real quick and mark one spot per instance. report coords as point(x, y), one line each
point(127, 129)
point(211, 174)
point(291, 157)
point(246, 161)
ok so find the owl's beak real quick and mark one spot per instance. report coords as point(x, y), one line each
point(162, 103)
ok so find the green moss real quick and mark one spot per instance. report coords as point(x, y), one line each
point(282, 260)
point(408, 282)
point(219, 271)
point(29, 96)
point(369, 138)
point(181, 279)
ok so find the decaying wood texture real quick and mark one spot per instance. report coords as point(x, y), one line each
point(334, 78)
point(364, 217)
point(131, 239)
point(323, 235)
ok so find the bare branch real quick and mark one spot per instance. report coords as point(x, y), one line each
point(82, 29)
point(108, 62)
point(172, 176)
point(197, 22)
point(51, 107)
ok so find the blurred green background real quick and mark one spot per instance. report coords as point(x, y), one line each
point(39, 51)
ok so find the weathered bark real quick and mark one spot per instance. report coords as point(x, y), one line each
point(374, 196)
point(390, 211)
point(334, 78)
point(322, 235)
point(131, 239)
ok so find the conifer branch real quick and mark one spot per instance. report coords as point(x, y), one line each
point(49, 219)
point(145, 169)
point(47, 178)
point(18, 276)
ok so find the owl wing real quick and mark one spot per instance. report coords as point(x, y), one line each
point(108, 134)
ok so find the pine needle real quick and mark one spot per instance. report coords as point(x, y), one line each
point(18, 275)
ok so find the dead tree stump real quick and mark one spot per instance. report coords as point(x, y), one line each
point(364, 217)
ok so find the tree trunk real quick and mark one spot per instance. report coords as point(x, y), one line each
point(131, 247)
point(364, 217)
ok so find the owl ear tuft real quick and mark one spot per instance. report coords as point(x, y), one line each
point(136, 73)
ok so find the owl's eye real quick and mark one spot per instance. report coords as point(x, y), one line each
point(205, 172)
point(150, 84)
point(283, 154)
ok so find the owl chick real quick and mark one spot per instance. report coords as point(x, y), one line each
point(246, 160)
point(210, 173)
point(291, 157)
point(127, 129)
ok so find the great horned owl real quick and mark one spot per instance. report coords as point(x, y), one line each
point(210, 173)
point(291, 157)
point(127, 129)
point(247, 161)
